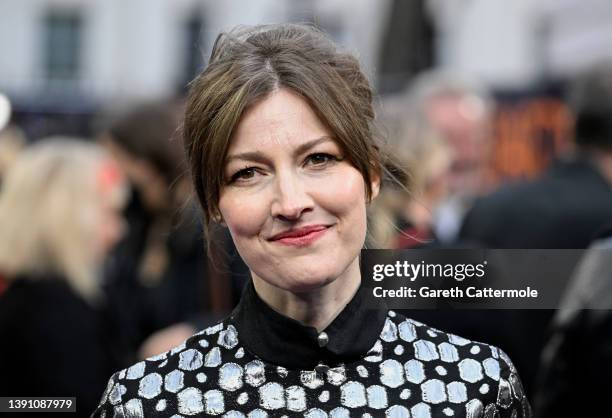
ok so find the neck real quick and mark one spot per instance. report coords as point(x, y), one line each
point(316, 308)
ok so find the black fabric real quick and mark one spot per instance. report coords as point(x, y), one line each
point(351, 334)
point(53, 343)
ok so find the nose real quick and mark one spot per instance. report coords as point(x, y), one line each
point(291, 198)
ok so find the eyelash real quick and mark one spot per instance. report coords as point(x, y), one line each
point(251, 171)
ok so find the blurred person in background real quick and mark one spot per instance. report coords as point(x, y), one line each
point(564, 208)
point(577, 359)
point(403, 214)
point(59, 218)
point(11, 140)
point(158, 276)
point(459, 111)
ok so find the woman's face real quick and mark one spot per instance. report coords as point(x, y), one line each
point(295, 207)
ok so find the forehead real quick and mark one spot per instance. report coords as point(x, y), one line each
point(282, 119)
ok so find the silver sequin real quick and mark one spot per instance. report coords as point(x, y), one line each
point(228, 338)
point(455, 339)
point(214, 329)
point(296, 398)
point(391, 373)
point(230, 377)
point(239, 353)
point(174, 381)
point(133, 408)
point(405, 394)
point(324, 396)
point(474, 409)
point(504, 394)
point(190, 401)
point(311, 379)
point(339, 413)
point(258, 413)
point(377, 397)
point(398, 350)
point(214, 402)
point(352, 394)
point(213, 357)
point(484, 389)
point(448, 353)
point(407, 332)
point(441, 370)
point(433, 391)
point(491, 411)
point(282, 372)
point(425, 350)
point(421, 410)
point(362, 371)
point(470, 370)
point(116, 393)
point(491, 368)
point(136, 371)
point(150, 386)
point(203, 343)
point(315, 413)
point(475, 349)
point(242, 398)
point(457, 392)
point(201, 377)
point(448, 412)
point(161, 405)
point(389, 331)
point(375, 353)
point(336, 376)
point(271, 396)
point(255, 373)
point(190, 360)
point(397, 411)
point(517, 388)
point(415, 372)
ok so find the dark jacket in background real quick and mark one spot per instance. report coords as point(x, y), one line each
point(565, 208)
point(53, 343)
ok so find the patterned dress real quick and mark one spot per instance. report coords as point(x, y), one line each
point(367, 363)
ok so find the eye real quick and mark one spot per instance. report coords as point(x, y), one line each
point(320, 159)
point(243, 175)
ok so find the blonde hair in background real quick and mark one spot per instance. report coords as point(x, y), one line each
point(48, 204)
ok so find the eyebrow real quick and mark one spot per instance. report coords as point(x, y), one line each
point(258, 156)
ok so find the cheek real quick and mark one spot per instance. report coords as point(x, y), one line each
point(244, 214)
point(344, 196)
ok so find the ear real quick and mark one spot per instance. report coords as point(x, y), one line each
point(217, 218)
point(374, 186)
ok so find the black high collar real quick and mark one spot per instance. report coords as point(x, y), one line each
point(286, 342)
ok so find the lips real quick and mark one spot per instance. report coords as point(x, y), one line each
point(300, 236)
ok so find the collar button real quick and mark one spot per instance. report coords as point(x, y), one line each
point(323, 339)
point(321, 369)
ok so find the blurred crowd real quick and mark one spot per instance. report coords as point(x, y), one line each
point(102, 260)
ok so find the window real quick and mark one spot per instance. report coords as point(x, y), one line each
point(62, 46)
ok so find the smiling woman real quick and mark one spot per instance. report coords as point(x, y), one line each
point(278, 132)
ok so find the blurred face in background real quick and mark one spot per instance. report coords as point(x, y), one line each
point(463, 123)
point(295, 206)
point(112, 191)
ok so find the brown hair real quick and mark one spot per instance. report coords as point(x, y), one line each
point(246, 65)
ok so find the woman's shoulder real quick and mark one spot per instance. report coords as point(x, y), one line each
point(451, 368)
point(133, 391)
